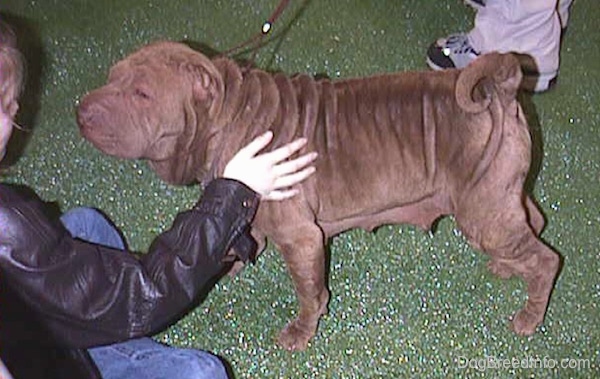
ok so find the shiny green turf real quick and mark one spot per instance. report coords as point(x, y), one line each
point(404, 303)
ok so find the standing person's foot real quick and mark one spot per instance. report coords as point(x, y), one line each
point(454, 51)
point(475, 3)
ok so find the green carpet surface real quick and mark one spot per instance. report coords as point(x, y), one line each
point(405, 303)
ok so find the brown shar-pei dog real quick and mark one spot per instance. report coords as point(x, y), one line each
point(394, 148)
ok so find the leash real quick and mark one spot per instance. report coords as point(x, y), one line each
point(257, 39)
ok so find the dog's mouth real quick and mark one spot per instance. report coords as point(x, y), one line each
point(108, 144)
point(107, 130)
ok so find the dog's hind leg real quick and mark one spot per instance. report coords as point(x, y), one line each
point(538, 265)
point(536, 218)
point(536, 222)
point(502, 229)
point(304, 253)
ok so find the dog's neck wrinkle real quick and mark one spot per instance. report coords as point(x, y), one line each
point(250, 107)
point(255, 101)
point(188, 164)
point(197, 145)
point(231, 76)
point(292, 106)
point(201, 148)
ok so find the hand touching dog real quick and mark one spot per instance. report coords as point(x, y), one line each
point(270, 174)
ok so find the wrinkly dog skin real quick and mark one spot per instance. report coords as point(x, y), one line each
point(395, 148)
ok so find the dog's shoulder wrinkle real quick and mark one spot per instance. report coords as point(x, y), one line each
point(231, 75)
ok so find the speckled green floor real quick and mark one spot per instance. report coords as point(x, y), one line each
point(404, 303)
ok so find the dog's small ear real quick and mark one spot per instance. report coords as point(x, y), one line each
point(207, 83)
point(203, 87)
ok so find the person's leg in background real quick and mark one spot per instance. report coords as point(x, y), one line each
point(530, 27)
point(564, 7)
point(141, 358)
point(90, 225)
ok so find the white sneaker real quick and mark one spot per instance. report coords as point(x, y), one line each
point(454, 51)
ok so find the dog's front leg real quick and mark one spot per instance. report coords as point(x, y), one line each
point(304, 254)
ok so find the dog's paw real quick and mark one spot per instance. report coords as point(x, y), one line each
point(499, 269)
point(293, 338)
point(524, 323)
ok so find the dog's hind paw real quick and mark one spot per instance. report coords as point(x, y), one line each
point(524, 323)
point(292, 338)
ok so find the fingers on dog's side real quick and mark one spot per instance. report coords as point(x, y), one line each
point(281, 195)
point(285, 151)
point(257, 144)
point(293, 179)
point(294, 165)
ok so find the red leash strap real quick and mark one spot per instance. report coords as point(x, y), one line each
point(258, 37)
point(271, 20)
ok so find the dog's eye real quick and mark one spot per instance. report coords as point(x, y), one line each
point(141, 94)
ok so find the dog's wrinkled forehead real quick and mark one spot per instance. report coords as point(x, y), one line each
point(133, 66)
point(156, 64)
point(159, 54)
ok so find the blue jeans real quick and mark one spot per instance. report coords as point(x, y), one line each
point(141, 358)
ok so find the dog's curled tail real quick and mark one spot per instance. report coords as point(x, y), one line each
point(493, 72)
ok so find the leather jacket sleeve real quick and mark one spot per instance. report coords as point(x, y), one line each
point(91, 295)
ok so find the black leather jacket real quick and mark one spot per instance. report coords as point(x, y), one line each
point(59, 295)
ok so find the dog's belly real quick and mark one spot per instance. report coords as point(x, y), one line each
point(421, 213)
point(362, 186)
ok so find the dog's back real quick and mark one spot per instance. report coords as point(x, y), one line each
point(394, 148)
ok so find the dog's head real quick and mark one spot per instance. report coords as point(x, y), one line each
point(157, 105)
